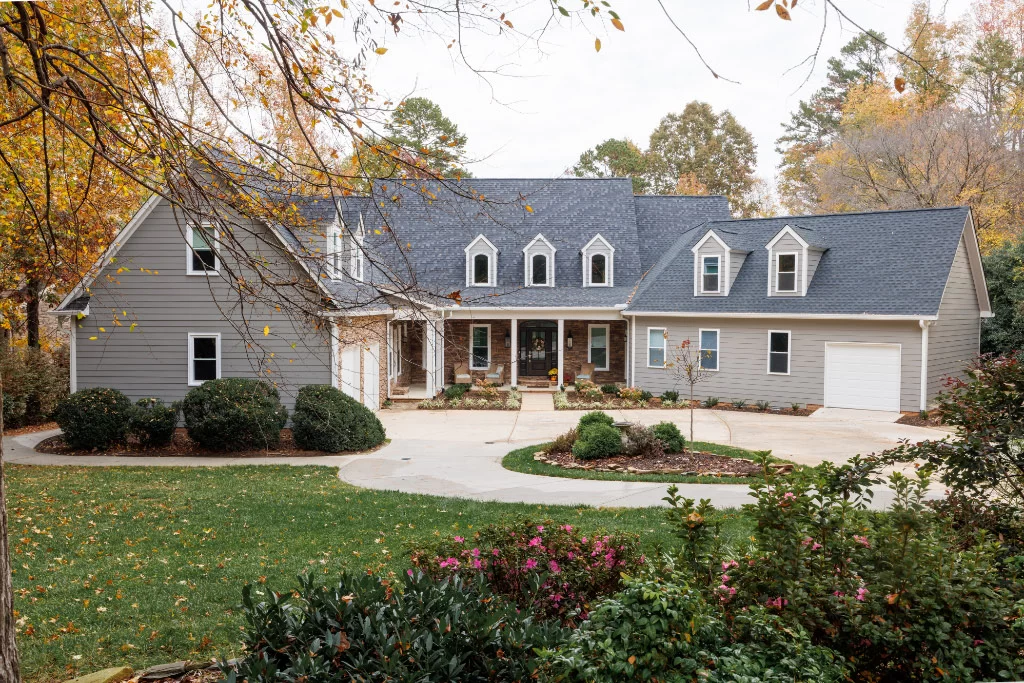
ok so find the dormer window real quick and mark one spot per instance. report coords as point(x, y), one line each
point(785, 272)
point(598, 263)
point(356, 259)
point(710, 279)
point(481, 263)
point(539, 261)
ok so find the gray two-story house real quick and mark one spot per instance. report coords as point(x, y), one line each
point(536, 279)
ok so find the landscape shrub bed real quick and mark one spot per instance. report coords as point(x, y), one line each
point(594, 398)
point(486, 399)
point(554, 570)
point(34, 383)
point(325, 419)
point(234, 414)
point(95, 418)
point(153, 423)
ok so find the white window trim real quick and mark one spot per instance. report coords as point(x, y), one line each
point(471, 328)
point(539, 245)
point(492, 262)
point(664, 347)
point(609, 253)
point(607, 345)
point(590, 270)
point(356, 260)
point(703, 259)
point(796, 272)
point(789, 351)
point(192, 381)
point(724, 266)
point(189, 252)
point(717, 349)
point(335, 247)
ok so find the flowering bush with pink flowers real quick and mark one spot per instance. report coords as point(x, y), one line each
point(895, 593)
point(553, 569)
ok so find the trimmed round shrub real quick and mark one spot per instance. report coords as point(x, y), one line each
point(596, 417)
point(670, 437)
point(325, 419)
point(234, 414)
point(94, 418)
point(610, 389)
point(153, 423)
point(670, 396)
point(456, 391)
point(597, 441)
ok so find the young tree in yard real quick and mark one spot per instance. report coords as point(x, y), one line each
point(688, 365)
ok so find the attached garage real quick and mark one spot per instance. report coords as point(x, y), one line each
point(864, 376)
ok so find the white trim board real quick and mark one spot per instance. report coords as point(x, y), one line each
point(777, 316)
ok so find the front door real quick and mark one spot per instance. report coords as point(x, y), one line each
point(538, 352)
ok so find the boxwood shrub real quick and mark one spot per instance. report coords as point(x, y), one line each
point(96, 418)
point(597, 440)
point(596, 417)
point(670, 437)
point(153, 423)
point(234, 414)
point(325, 419)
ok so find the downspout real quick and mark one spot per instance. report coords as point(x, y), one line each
point(73, 369)
point(389, 353)
point(632, 355)
point(925, 325)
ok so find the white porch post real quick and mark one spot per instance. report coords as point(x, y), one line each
point(430, 356)
point(440, 364)
point(74, 354)
point(632, 353)
point(561, 351)
point(925, 324)
point(514, 332)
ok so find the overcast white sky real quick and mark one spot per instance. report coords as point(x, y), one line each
point(570, 98)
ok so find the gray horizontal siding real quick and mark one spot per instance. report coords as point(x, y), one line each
point(954, 339)
point(743, 357)
point(166, 304)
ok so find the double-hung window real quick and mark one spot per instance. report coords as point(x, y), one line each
point(203, 357)
point(785, 272)
point(710, 281)
point(656, 342)
point(598, 350)
point(709, 349)
point(201, 254)
point(778, 352)
point(480, 347)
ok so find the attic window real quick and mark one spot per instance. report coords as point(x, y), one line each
point(539, 263)
point(598, 269)
point(710, 281)
point(201, 254)
point(481, 269)
point(481, 263)
point(539, 269)
point(785, 272)
point(598, 263)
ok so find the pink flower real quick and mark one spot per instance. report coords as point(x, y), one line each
point(535, 541)
point(728, 564)
point(553, 566)
point(863, 540)
point(566, 527)
point(495, 552)
point(477, 564)
point(838, 594)
point(584, 539)
point(861, 592)
point(789, 496)
point(725, 578)
point(409, 572)
point(540, 528)
point(531, 563)
point(816, 546)
point(572, 555)
point(476, 552)
point(977, 642)
point(777, 603)
point(459, 539)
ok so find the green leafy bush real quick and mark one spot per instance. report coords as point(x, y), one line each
point(234, 414)
point(34, 383)
point(554, 570)
point(96, 418)
point(739, 403)
point(610, 389)
point(595, 417)
point(672, 396)
point(153, 423)
point(597, 440)
point(763, 406)
point(366, 628)
point(588, 390)
point(456, 391)
point(646, 395)
point(325, 419)
point(711, 402)
point(670, 437)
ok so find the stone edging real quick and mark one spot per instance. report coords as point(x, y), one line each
point(541, 456)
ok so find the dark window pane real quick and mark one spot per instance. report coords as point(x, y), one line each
point(778, 362)
point(599, 357)
point(787, 282)
point(204, 370)
point(540, 269)
point(711, 283)
point(598, 268)
point(204, 259)
point(709, 360)
point(780, 342)
point(481, 269)
point(711, 266)
point(787, 263)
point(204, 347)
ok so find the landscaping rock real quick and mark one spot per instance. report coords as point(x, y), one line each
point(114, 675)
point(173, 669)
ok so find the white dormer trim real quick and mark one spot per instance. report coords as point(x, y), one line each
point(608, 251)
point(801, 268)
point(539, 245)
point(357, 259)
point(724, 266)
point(334, 249)
point(492, 266)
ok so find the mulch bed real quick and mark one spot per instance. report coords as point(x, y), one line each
point(934, 419)
point(181, 446)
point(688, 463)
point(609, 401)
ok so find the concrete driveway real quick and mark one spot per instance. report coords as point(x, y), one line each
point(458, 453)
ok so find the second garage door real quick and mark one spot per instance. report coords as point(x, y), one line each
point(865, 376)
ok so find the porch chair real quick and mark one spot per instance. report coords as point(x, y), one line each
point(462, 375)
point(496, 374)
point(586, 373)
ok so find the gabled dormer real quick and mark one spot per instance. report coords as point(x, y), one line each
point(715, 265)
point(598, 263)
point(792, 260)
point(344, 250)
point(481, 263)
point(539, 263)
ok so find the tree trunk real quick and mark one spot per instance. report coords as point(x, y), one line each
point(9, 672)
point(691, 418)
point(33, 289)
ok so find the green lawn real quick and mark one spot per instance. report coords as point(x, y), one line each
point(521, 460)
point(145, 565)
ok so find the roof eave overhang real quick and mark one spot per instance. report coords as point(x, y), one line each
point(779, 316)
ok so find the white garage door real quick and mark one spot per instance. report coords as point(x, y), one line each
point(865, 376)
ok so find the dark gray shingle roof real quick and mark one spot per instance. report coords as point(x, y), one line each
point(660, 220)
point(878, 263)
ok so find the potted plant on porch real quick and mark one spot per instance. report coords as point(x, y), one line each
point(553, 375)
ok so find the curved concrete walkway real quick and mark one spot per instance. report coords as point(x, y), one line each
point(458, 453)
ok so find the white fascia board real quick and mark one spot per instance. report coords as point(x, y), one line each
point(787, 231)
point(977, 268)
point(597, 237)
point(119, 241)
point(779, 316)
point(489, 244)
point(711, 234)
point(540, 238)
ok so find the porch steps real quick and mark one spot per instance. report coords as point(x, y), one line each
point(535, 382)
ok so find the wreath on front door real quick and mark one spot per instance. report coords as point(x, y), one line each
point(538, 344)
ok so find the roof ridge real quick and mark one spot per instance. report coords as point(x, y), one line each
point(841, 213)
